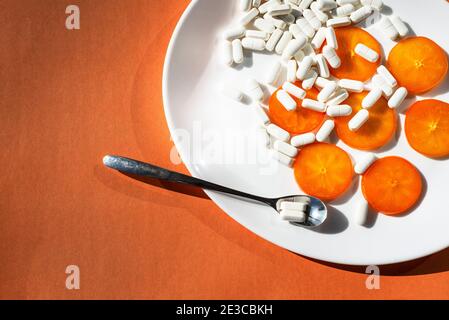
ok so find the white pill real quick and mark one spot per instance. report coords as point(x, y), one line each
point(364, 162)
point(322, 66)
point(319, 38)
point(263, 137)
point(345, 10)
point(254, 90)
point(254, 44)
point(304, 67)
point(261, 114)
point(263, 8)
point(257, 34)
point(338, 22)
point(325, 130)
point(279, 10)
point(340, 96)
point(293, 47)
point(304, 4)
point(358, 120)
point(366, 52)
point(234, 33)
point(291, 70)
point(341, 110)
point(380, 82)
point(371, 98)
point(227, 53)
point(285, 148)
point(361, 212)
point(388, 77)
point(326, 5)
point(303, 139)
point(397, 98)
point(293, 215)
point(327, 91)
point(400, 26)
point(284, 98)
point(282, 158)
point(361, 14)
point(312, 19)
point(343, 2)
point(244, 5)
point(256, 3)
point(264, 25)
point(294, 90)
point(351, 85)
point(293, 205)
point(321, 82)
point(237, 51)
point(314, 105)
point(323, 17)
point(273, 74)
point(296, 31)
point(285, 39)
point(273, 40)
point(249, 16)
point(376, 4)
point(232, 93)
point(331, 57)
point(278, 133)
point(309, 80)
point(387, 28)
point(305, 27)
point(331, 38)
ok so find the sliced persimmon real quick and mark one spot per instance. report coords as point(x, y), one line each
point(354, 66)
point(323, 170)
point(418, 64)
point(298, 121)
point(427, 127)
point(392, 185)
point(376, 132)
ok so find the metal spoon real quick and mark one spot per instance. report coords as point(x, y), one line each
point(316, 214)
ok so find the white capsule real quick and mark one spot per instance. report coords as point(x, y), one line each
point(376, 4)
point(322, 66)
point(261, 115)
point(343, 2)
point(279, 10)
point(351, 85)
point(253, 44)
point(379, 82)
point(285, 39)
point(309, 80)
point(397, 98)
point(304, 67)
point(387, 28)
point(327, 91)
point(400, 26)
point(314, 105)
point(296, 31)
point(264, 25)
point(274, 72)
point(254, 90)
point(366, 53)
point(291, 70)
point(294, 90)
point(326, 5)
point(264, 7)
point(325, 130)
point(345, 10)
point(323, 17)
point(321, 82)
point(293, 205)
point(273, 40)
point(358, 120)
point(331, 38)
point(341, 110)
point(331, 57)
point(364, 162)
point(263, 137)
point(319, 38)
point(285, 148)
point(234, 33)
point(237, 51)
point(361, 212)
point(232, 93)
point(278, 133)
point(304, 4)
point(361, 14)
point(293, 216)
point(249, 16)
point(283, 159)
point(303, 139)
point(312, 19)
point(293, 47)
point(305, 27)
point(257, 34)
point(371, 98)
point(287, 102)
point(340, 96)
point(227, 53)
point(388, 77)
point(244, 5)
point(338, 22)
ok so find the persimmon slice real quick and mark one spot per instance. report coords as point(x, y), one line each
point(352, 65)
point(376, 132)
point(323, 170)
point(427, 127)
point(418, 63)
point(392, 185)
point(298, 121)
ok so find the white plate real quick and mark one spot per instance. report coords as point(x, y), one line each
point(213, 136)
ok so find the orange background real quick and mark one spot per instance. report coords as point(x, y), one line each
point(70, 97)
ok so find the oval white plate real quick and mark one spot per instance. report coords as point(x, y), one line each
point(214, 138)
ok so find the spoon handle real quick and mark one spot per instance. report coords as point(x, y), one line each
point(139, 168)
